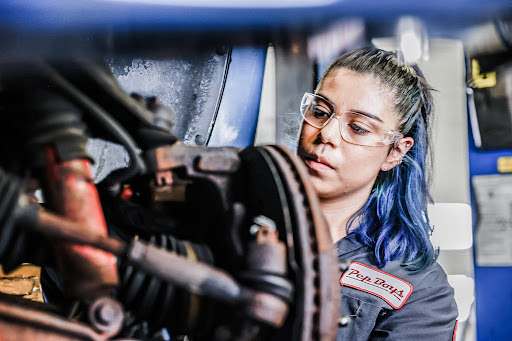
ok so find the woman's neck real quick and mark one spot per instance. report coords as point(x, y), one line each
point(338, 212)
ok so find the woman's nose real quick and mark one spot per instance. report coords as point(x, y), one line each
point(330, 134)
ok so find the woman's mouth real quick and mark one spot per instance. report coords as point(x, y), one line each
point(317, 163)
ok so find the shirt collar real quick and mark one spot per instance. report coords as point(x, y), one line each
point(347, 245)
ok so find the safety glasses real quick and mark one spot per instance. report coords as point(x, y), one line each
point(355, 128)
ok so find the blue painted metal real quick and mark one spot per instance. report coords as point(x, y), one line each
point(493, 285)
point(55, 15)
point(235, 124)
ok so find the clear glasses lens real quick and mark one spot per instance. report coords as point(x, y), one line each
point(354, 127)
point(315, 110)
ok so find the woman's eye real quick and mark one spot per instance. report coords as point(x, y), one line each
point(358, 129)
point(319, 113)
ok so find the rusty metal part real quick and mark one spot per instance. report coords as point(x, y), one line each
point(70, 191)
point(197, 278)
point(106, 316)
point(215, 165)
point(280, 190)
point(64, 228)
point(266, 268)
point(267, 253)
point(220, 160)
point(267, 308)
point(311, 262)
point(163, 178)
point(322, 295)
point(202, 279)
point(21, 323)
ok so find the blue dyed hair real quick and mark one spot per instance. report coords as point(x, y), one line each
point(394, 221)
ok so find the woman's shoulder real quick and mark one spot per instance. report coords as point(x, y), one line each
point(433, 275)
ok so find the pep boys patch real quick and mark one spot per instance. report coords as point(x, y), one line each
point(391, 289)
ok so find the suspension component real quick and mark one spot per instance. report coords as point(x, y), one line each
point(266, 273)
point(266, 270)
point(57, 144)
point(159, 302)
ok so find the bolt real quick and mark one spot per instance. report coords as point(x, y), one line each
point(200, 140)
point(105, 313)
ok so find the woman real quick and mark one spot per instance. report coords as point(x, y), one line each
point(365, 139)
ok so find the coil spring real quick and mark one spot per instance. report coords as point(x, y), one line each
point(159, 303)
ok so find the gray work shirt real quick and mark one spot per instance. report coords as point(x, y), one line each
point(391, 303)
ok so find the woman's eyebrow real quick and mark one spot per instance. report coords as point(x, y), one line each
point(325, 98)
point(367, 114)
point(364, 113)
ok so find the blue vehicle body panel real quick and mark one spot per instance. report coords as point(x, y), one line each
point(235, 124)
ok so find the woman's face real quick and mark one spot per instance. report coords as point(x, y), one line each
point(340, 169)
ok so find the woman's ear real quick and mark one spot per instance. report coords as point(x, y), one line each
point(397, 153)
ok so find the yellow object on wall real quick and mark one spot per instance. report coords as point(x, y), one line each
point(482, 80)
point(505, 164)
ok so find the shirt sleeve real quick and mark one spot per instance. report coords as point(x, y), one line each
point(429, 314)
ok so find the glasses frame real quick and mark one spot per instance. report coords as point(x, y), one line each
point(392, 136)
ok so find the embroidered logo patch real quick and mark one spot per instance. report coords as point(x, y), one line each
point(391, 289)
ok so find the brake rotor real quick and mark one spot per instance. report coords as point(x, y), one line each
point(277, 186)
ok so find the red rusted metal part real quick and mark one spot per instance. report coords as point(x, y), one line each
point(66, 229)
point(70, 191)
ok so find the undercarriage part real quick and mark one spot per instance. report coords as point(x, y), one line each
point(325, 302)
point(197, 278)
point(69, 190)
point(214, 165)
point(278, 187)
point(280, 197)
point(87, 272)
point(161, 303)
point(90, 107)
point(22, 321)
point(266, 263)
point(106, 316)
point(213, 268)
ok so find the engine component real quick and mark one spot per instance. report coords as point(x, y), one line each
point(240, 253)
